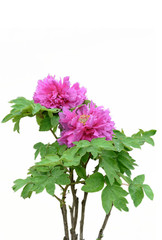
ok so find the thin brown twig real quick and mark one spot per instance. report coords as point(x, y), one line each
point(57, 198)
point(83, 215)
point(100, 235)
point(64, 213)
point(74, 208)
point(61, 187)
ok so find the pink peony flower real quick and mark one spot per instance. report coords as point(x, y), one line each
point(85, 123)
point(58, 94)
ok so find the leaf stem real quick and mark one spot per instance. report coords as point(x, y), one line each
point(54, 134)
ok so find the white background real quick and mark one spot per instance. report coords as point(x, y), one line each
point(113, 48)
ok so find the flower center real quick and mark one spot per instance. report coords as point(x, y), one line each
point(83, 119)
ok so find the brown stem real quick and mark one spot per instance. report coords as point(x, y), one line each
point(100, 235)
point(64, 214)
point(57, 198)
point(83, 215)
point(74, 208)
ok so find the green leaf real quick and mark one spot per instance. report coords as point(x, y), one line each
point(40, 148)
point(148, 191)
point(19, 183)
point(71, 157)
point(149, 133)
point(136, 140)
point(85, 158)
point(94, 151)
point(118, 144)
point(36, 108)
point(150, 141)
point(63, 179)
point(139, 179)
point(133, 142)
point(45, 124)
point(125, 159)
point(39, 180)
point(127, 179)
point(21, 108)
point(39, 169)
point(7, 118)
point(50, 160)
point(136, 189)
point(38, 189)
point(17, 126)
point(102, 144)
point(136, 193)
point(50, 188)
point(82, 143)
point(114, 194)
point(94, 183)
point(109, 164)
point(57, 171)
point(27, 191)
point(106, 200)
point(61, 149)
point(81, 172)
point(54, 121)
point(121, 204)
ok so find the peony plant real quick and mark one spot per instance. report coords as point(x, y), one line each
point(86, 134)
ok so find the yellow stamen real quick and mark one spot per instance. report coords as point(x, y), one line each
point(83, 119)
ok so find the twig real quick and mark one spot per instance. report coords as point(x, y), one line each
point(53, 134)
point(57, 198)
point(74, 208)
point(61, 187)
point(83, 215)
point(64, 213)
point(100, 235)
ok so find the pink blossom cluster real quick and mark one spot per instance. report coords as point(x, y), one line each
point(83, 123)
point(52, 93)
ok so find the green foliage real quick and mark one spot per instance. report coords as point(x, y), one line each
point(125, 162)
point(137, 189)
point(81, 172)
point(45, 123)
point(40, 148)
point(121, 141)
point(114, 195)
point(148, 191)
point(48, 121)
point(125, 178)
point(94, 183)
point(40, 179)
point(57, 161)
point(47, 118)
point(49, 149)
point(50, 188)
point(109, 164)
